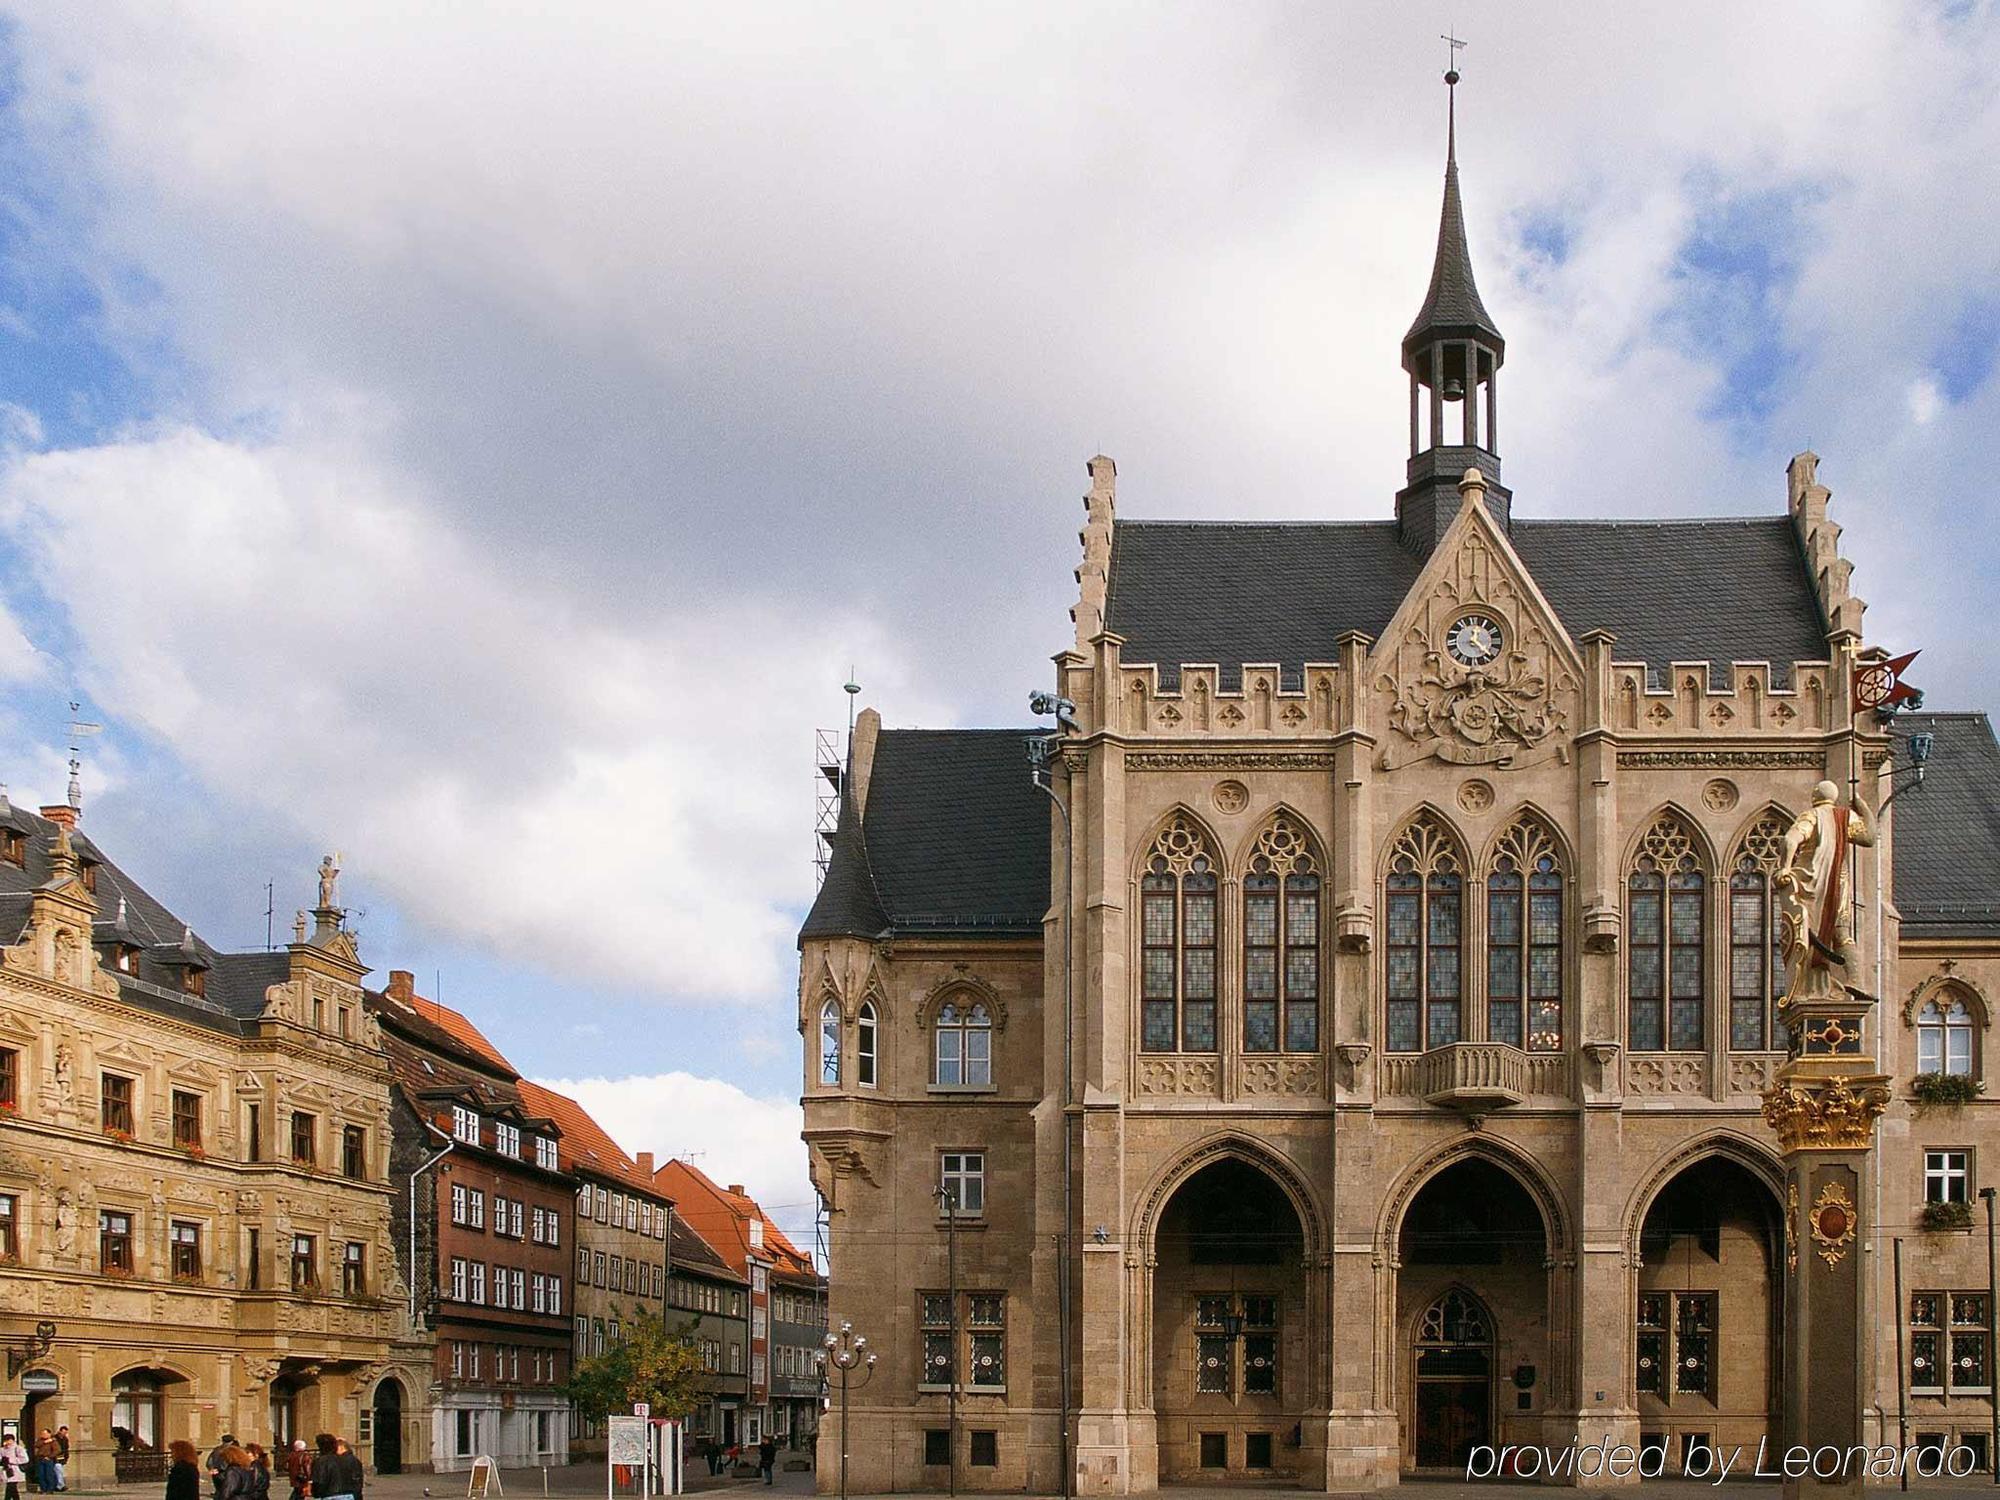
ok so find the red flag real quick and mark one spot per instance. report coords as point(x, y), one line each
point(1879, 685)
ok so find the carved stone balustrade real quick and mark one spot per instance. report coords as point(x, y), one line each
point(1473, 1076)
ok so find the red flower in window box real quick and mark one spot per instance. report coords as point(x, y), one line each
point(195, 1153)
point(123, 1137)
point(8, 1109)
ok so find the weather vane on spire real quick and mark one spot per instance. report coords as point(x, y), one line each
point(1455, 46)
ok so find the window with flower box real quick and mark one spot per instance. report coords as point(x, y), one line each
point(115, 1102)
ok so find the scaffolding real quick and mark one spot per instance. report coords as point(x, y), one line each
point(827, 772)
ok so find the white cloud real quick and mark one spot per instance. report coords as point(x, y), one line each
point(619, 791)
point(733, 1136)
point(604, 367)
point(20, 662)
point(1926, 401)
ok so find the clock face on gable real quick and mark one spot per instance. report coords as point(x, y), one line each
point(1473, 640)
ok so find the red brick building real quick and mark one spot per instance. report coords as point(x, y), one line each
point(493, 1234)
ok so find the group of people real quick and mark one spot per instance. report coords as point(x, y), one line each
point(243, 1471)
point(47, 1466)
point(719, 1457)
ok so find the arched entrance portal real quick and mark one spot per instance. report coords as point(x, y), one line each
point(1709, 1318)
point(1231, 1371)
point(389, 1426)
point(1472, 1306)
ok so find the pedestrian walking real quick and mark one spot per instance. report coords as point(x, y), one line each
point(299, 1469)
point(233, 1480)
point(322, 1467)
point(260, 1472)
point(215, 1463)
point(62, 1458)
point(184, 1477)
point(14, 1460)
point(348, 1472)
point(45, 1461)
point(767, 1457)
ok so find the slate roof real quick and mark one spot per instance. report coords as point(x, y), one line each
point(689, 1250)
point(1452, 308)
point(1948, 830)
point(955, 839)
point(1235, 592)
point(236, 981)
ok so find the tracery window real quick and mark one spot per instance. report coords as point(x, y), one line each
point(865, 1033)
point(829, 1044)
point(1426, 902)
point(1524, 942)
point(1666, 943)
point(1177, 927)
point(1281, 943)
point(962, 1047)
point(1944, 1038)
point(1756, 952)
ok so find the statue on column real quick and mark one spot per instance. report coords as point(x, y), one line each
point(1816, 891)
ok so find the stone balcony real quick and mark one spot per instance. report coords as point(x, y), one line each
point(1472, 1076)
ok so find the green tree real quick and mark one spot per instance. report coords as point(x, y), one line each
point(652, 1363)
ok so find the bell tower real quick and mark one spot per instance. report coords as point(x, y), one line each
point(1453, 354)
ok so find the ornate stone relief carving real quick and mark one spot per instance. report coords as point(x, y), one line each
point(1834, 1118)
point(1476, 796)
point(1509, 712)
point(1231, 796)
point(1227, 760)
point(1165, 1074)
point(1720, 795)
point(1669, 1074)
point(1721, 760)
point(1750, 1074)
point(1296, 1076)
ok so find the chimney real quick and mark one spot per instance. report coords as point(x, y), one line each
point(646, 1162)
point(736, 1188)
point(61, 813)
point(402, 985)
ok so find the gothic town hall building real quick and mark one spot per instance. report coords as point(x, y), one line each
point(1390, 957)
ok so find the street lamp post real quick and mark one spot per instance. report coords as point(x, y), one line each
point(845, 1351)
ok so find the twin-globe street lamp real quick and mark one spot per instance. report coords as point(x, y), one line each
point(845, 1351)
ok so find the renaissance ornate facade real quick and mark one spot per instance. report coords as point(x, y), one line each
point(194, 1187)
point(1393, 956)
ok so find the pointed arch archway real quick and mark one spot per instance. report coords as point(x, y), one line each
point(1229, 1306)
point(1705, 1334)
point(1482, 1216)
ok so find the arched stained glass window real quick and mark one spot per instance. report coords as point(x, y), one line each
point(1426, 922)
point(1666, 942)
point(1281, 943)
point(1177, 901)
point(1524, 940)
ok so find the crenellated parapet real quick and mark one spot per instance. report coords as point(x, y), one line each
point(1755, 701)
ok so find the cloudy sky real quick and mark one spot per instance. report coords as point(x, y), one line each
point(486, 448)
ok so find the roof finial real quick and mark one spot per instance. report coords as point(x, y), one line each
point(78, 730)
point(1453, 45)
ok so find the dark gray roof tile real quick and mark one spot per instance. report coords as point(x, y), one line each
point(1948, 830)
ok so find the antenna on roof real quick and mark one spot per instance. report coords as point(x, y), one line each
point(79, 730)
point(270, 911)
point(829, 779)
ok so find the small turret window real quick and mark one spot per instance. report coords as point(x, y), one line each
point(829, 1045)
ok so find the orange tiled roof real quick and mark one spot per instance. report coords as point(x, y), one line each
point(723, 1219)
point(460, 1029)
point(585, 1144)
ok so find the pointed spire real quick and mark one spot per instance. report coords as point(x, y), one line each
point(1452, 308)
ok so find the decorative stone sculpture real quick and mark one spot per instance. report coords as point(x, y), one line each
point(1815, 892)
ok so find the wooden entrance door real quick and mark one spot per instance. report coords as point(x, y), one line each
point(1454, 1416)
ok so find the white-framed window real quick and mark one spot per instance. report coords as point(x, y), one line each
point(507, 1139)
point(475, 1209)
point(539, 1287)
point(759, 1278)
point(520, 1279)
point(516, 1211)
point(603, 1214)
point(1947, 1177)
point(962, 1047)
point(962, 1175)
point(539, 1224)
point(829, 1044)
point(458, 1366)
point(465, 1125)
point(865, 1043)
point(1944, 1039)
point(555, 1227)
point(475, 1291)
point(458, 1203)
point(555, 1295)
point(460, 1280)
point(545, 1153)
point(645, 1217)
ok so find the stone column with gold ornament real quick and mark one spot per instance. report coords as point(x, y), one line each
point(1823, 1106)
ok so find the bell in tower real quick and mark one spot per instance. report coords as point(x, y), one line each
point(1453, 353)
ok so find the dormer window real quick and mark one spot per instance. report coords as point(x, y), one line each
point(507, 1139)
point(13, 847)
point(465, 1125)
point(90, 876)
point(126, 957)
point(194, 980)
